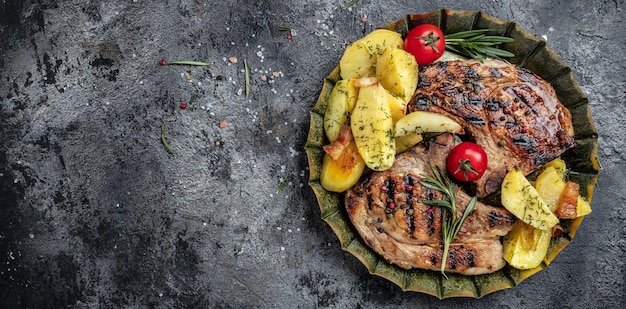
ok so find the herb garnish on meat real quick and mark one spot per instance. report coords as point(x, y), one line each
point(450, 224)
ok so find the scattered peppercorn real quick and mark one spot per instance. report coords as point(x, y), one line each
point(162, 62)
point(183, 105)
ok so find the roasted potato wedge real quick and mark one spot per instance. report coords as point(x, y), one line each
point(380, 39)
point(357, 61)
point(396, 70)
point(583, 208)
point(341, 174)
point(372, 127)
point(397, 105)
point(340, 104)
point(359, 58)
point(404, 142)
point(550, 185)
point(559, 165)
point(520, 198)
point(525, 247)
point(426, 122)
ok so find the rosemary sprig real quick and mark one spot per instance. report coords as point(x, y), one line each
point(450, 224)
point(476, 44)
point(247, 77)
point(164, 141)
point(351, 3)
point(190, 62)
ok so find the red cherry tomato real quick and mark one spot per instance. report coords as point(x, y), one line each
point(467, 162)
point(426, 42)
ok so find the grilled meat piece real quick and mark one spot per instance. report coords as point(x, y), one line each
point(387, 210)
point(509, 111)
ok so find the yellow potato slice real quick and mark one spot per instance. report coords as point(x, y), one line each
point(340, 104)
point(341, 174)
point(520, 198)
point(397, 105)
point(525, 247)
point(583, 208)
point(357, 61)
point(404, 142)
point(550, 186)
point(396, 70)
point(380, 39)
point(372, 127)
point(426, 122)
point(359, 58)
point(559, 165)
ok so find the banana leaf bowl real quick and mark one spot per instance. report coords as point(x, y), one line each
point(531, 53)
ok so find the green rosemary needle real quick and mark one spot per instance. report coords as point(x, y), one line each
point(247, 77)
point(476, 44)
point(190, 62)
point(351, 3)
point(164, 141)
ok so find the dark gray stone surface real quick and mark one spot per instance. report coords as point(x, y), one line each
point(94, 212)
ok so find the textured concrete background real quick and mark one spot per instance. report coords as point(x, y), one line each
point(94, 212)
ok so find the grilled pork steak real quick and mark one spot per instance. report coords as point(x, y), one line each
point(387, 210)
point(509, 111)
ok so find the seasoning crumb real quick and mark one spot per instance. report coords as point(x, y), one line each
point(223, 124)
point(232, 59)
point(276, 74)
point(264, 78)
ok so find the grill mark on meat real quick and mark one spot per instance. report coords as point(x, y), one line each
point(495, 72)
point(409, 183)
point(433, 259)
point(429, 212)
point(452, 259)
point(430, 220)
point(470, 259)
point(496, 219)
point(527, 76)
point(475, 120)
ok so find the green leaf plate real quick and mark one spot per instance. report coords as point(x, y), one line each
point(531, 53)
